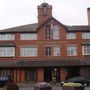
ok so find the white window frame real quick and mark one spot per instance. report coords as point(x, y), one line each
point(56, 51)
point(7, 51)
point(86, 35)
point(52, 50)
point(86, 49)
point(28, 36)
point(71, 35)
point(31, 51)
point(55, 32)
point(7, 37)
point(72, 50)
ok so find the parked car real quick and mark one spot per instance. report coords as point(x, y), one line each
point(84, 81)
point(3, 80)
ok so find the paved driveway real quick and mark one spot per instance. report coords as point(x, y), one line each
point(31, 88)
point(53, 88)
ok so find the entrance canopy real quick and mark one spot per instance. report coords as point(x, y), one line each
point(44, 63)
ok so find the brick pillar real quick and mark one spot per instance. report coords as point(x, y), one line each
point(40, 74)
point(22, 75)
point(14, 75)
point(63, 74)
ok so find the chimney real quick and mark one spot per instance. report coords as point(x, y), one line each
point(88, 12)
point(44, 12)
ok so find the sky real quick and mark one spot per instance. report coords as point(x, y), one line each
point(21, 12)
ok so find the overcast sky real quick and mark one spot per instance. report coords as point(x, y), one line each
point(20, 12)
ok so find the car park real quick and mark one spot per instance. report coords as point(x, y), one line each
point(3, 80)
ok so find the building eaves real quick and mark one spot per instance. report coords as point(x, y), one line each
point(79, 28)
point(23, 28)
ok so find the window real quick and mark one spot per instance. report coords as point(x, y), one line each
point(48, 51)
point(86, 35)
point(28, 51)
point(7, 36)
point(71, 35)
point(7, 51)
point(48, 33)
point(52, 51)
point(45, 10)
point(86, 50)
point(71, 50)
point(52, 32)
point(55, 32)
point(28, 36)
point(56, 51)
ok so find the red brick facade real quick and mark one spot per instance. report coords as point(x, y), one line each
point(19, 71)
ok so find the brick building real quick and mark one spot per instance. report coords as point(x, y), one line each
point(45, 50)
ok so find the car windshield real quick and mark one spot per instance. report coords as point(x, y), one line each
point(78, 79)
point(3, 78)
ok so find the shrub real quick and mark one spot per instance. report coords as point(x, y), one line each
point(42, 84)
point(71, 84)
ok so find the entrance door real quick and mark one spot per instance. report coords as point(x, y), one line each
point(47, 74)
point(55, 74)
point(51, 74)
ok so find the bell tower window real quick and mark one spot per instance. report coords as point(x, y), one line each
point(45, 10)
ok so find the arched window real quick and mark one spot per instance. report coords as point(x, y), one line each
point(45, 10)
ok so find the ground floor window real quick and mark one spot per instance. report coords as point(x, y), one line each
point(6, 72)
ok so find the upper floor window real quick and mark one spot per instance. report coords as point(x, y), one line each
point(71, 50)
point(52, 32)
point(55, 32)
point(28, 36)
point(71, 35)
point(28, 51)
point(7, 36)
point(52, 51)
point(86, 35)
point(7, 51)
point(48, 33)
point(86, 49)
point(48, 51)
point(56, 51)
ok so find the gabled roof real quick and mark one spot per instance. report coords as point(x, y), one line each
point(49, 19)
point(23, 28)
point(67, 27)
point(34, 27)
